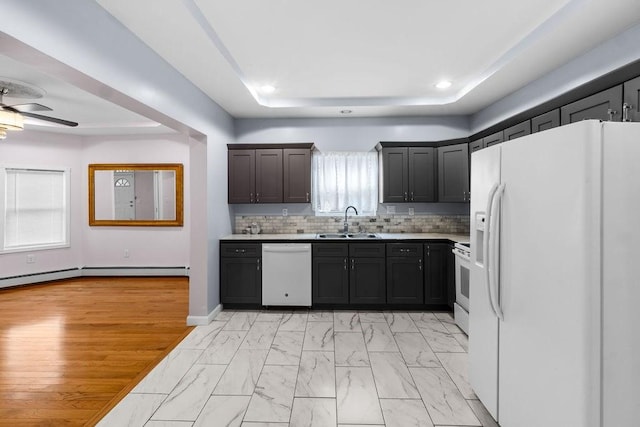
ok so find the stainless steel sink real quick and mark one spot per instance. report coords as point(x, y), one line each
point(359, 236)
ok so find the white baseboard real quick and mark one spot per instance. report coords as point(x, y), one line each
point(48, 276)
point(204, 320)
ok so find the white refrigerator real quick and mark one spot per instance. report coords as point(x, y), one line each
point(554, 319)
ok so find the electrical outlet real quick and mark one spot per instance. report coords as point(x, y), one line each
point(412, 211)
point(126, 253)
point(285, 212)
point(391, 209)
point(31, 259)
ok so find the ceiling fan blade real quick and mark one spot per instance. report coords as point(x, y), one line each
point(33, 106)
point(48, 119)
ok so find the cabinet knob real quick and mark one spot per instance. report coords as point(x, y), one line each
point(353, 264)
point(405, 196)
point(412, 196)
point(345, 264)
point(610, 113)
point(420, 264)
point(250, 197)
point(625, 111)
point(258, 264)
point(257, 197)
point(307, 197)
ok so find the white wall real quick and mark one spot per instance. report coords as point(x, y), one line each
point(39, 149)
point(147, 246)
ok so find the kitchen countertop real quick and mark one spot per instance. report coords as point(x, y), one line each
point(383, 236)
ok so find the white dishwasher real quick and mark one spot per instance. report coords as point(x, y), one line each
point(286, 274)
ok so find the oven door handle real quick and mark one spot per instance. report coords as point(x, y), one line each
point(486, 245)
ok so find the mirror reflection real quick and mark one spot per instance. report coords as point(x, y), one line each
point(140, 194)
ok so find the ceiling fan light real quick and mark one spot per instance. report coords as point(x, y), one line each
point(3, 134)
point(11, 121)
point(444, 84)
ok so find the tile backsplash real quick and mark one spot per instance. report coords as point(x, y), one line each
point(371, 224)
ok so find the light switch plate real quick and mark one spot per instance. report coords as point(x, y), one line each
point(412, 211)
point(285, 212)
point(391, 209)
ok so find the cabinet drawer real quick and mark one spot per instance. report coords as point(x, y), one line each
point(330, 249)
point(241, 250)
point(367, 250)
point(404, 249)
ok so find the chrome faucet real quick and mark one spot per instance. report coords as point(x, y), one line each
point(346, 224)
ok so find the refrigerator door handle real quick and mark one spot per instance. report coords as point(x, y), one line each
point(495, 251)
point(486, 243)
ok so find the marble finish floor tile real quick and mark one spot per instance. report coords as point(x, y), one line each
point(190, 395)
point(405, 413)
point(222, 348)
point(134, 410)
point(350, 349)
point(392, 376)
point(481, 412)
point(378, 337)
point(273, 397)
point(346, 321)
point(444, 402)
point(260, 336)
point(296, 321)
point(456, 365)
point(225, 315)
point(168, 424)
point(357, 399)
point(400, 322)
point(286, 348)
point(201, 336)
point(371, 316)
point(241, 321)
point(463, 340)
point(318, 336)
point(252, 424)
point(225, 411)
point(320, 316)
point(316, 376)
point(313, 412)
point(449, 322)
point(164, 377)
point(422, 318)
point(441, 341)
point(242, 373)
point(270, 316)
point(415, 350)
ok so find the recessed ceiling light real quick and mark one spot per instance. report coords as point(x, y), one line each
point(267, 89)
point(346, 111)
point(444, 84)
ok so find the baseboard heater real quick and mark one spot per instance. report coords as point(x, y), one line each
point(70, 273)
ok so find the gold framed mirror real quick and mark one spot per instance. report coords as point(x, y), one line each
point(136, 194)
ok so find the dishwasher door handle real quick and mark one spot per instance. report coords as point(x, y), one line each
point(285, 249)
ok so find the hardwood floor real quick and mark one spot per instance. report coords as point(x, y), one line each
point(70, 350)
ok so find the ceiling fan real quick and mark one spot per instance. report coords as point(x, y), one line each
point(11, 115)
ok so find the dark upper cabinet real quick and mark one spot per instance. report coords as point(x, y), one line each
point(631, 105)
point(476, 145)
point(493, 139)
point(269, 176)
point(242, 176)
point(408, 174)
point(296, 175)
point(605, 105)
point(405, 275)
point(272, 174)
point(240, 274)
point(517, 131)
point(548, 120)
point(453, 173)
point(436, 273)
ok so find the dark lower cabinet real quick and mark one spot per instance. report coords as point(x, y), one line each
point(367, 281)
point(405, 275)
point(240, 274)
point(436, 274)
point(330, 280)
point(451, 276)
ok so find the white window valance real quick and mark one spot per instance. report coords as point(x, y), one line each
point(341, 179)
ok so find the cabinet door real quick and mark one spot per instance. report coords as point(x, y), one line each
point(240, 280)
point(605, 105)
point(269, 175)
point(451, 276)
point(631, 106)
point(367, 281)
point(453, 173)
point(493, 139)
point(297, 175)
point(548, 120)
point(405, 280)
point(476, 145)
point(422, 174)
point(330, 280)
point(395, 177)
point(517, 131)
point(436, 280)
point(242, 176)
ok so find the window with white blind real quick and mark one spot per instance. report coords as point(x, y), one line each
point(35, 208)
point(342, 179)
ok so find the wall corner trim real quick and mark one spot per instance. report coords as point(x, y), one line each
point(204, 320)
